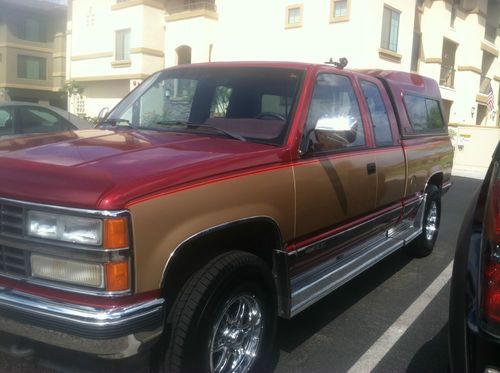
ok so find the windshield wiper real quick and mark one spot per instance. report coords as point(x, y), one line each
point(199, 125)
point(116, 122)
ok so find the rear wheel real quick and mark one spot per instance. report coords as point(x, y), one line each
point(424, 244)
point(224, 318)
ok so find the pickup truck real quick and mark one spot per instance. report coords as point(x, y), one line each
point(212, 200)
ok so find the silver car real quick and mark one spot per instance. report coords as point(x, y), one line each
point(18, 118)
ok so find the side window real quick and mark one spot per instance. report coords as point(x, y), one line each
point(6, 122)
point(424, 113)
point(38, 120)
point(334, 105)
point(378, 113)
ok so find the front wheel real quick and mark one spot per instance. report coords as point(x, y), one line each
point(224, 318)
point(424, 244)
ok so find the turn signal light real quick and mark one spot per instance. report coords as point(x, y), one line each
point(117, 276)
point(115, 233)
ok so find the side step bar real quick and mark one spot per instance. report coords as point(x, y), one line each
point(320, 281)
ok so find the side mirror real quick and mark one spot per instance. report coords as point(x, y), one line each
point(102, 114)
point(336, 131)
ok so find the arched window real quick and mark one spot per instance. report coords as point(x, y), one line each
point(183, 55)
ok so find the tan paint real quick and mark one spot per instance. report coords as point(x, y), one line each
point(163, 223)
point(425, 160)
point(333, 190)
point(390, 176)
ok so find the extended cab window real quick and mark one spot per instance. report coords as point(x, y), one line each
point(378, 113)
point(334, 120)
point(424, 114)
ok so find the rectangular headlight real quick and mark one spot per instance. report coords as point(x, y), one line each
point(65, 228)
point(69, 271)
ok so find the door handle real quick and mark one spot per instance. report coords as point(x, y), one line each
point(371, 168)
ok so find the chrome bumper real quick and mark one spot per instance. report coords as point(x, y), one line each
point(107, 333)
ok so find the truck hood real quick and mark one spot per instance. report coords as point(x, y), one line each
point(106, 169)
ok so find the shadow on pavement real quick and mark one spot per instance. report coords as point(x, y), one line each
point(429, 358)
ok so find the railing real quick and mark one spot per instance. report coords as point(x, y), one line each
point(194, 5)
point(447, 77)
point(485, 84)
point(490, 33)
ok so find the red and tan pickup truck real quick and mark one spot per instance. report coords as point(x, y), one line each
point(213, 199)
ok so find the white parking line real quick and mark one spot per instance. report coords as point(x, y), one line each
point(382, 346)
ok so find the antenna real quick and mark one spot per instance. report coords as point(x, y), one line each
point(340, 64)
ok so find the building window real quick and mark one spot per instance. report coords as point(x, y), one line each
point(122, 52)
point(31, 29)
point(390, 29)
point(183, 55)
point(29, 67)
point(80, 105)
point(294, 16)
point(340, 10)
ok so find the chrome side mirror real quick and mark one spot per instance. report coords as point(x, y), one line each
point(336, 130)
point(102, 114)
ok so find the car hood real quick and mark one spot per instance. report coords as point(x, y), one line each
point(107, 169)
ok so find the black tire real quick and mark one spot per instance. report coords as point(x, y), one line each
point(226, 281)
point(423, 245)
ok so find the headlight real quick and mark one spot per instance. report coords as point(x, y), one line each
point(65, 228)
point(63, 270)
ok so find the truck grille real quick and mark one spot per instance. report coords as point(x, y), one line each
point(11, 219)
point(13, 261)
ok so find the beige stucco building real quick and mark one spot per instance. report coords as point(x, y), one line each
point(32, 51)
point(114, 44)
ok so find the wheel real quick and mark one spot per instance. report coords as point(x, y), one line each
point(424, 244)
point(224, 319)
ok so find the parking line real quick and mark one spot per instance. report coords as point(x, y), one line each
point(382, 346)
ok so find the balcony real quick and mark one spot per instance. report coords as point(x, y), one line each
point(447, 77)
point(191, 9)
point(190, 6)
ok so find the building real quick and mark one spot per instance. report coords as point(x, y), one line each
point(459, 47)
point(114, 44)
point(33, 51)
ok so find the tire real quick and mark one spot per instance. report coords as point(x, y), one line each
point(423, 245)
point(229, 286)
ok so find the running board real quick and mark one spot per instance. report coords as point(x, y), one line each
point(320, 281)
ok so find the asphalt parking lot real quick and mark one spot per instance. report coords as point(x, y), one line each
point(380, 321)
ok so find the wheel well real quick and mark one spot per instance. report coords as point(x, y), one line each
point(436, 179)
point(258, 236)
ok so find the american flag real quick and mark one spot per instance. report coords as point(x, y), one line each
point(491, 98)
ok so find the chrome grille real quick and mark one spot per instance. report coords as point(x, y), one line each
point(11, 219)
point(14, 262)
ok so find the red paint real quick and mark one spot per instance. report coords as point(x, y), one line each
point(107, 169)
point(85, 300)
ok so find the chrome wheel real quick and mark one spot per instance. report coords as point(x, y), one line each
point(431, 224)
point(236, 335)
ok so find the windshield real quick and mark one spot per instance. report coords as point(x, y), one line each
point(254, 104)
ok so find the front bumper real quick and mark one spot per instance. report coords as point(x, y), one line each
point(114, 333)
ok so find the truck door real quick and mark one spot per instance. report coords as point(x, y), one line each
point(335, 181)
point(389, 157)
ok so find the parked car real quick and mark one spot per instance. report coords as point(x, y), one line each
point(474, 324)
point(214, 198)
point(19, 118)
